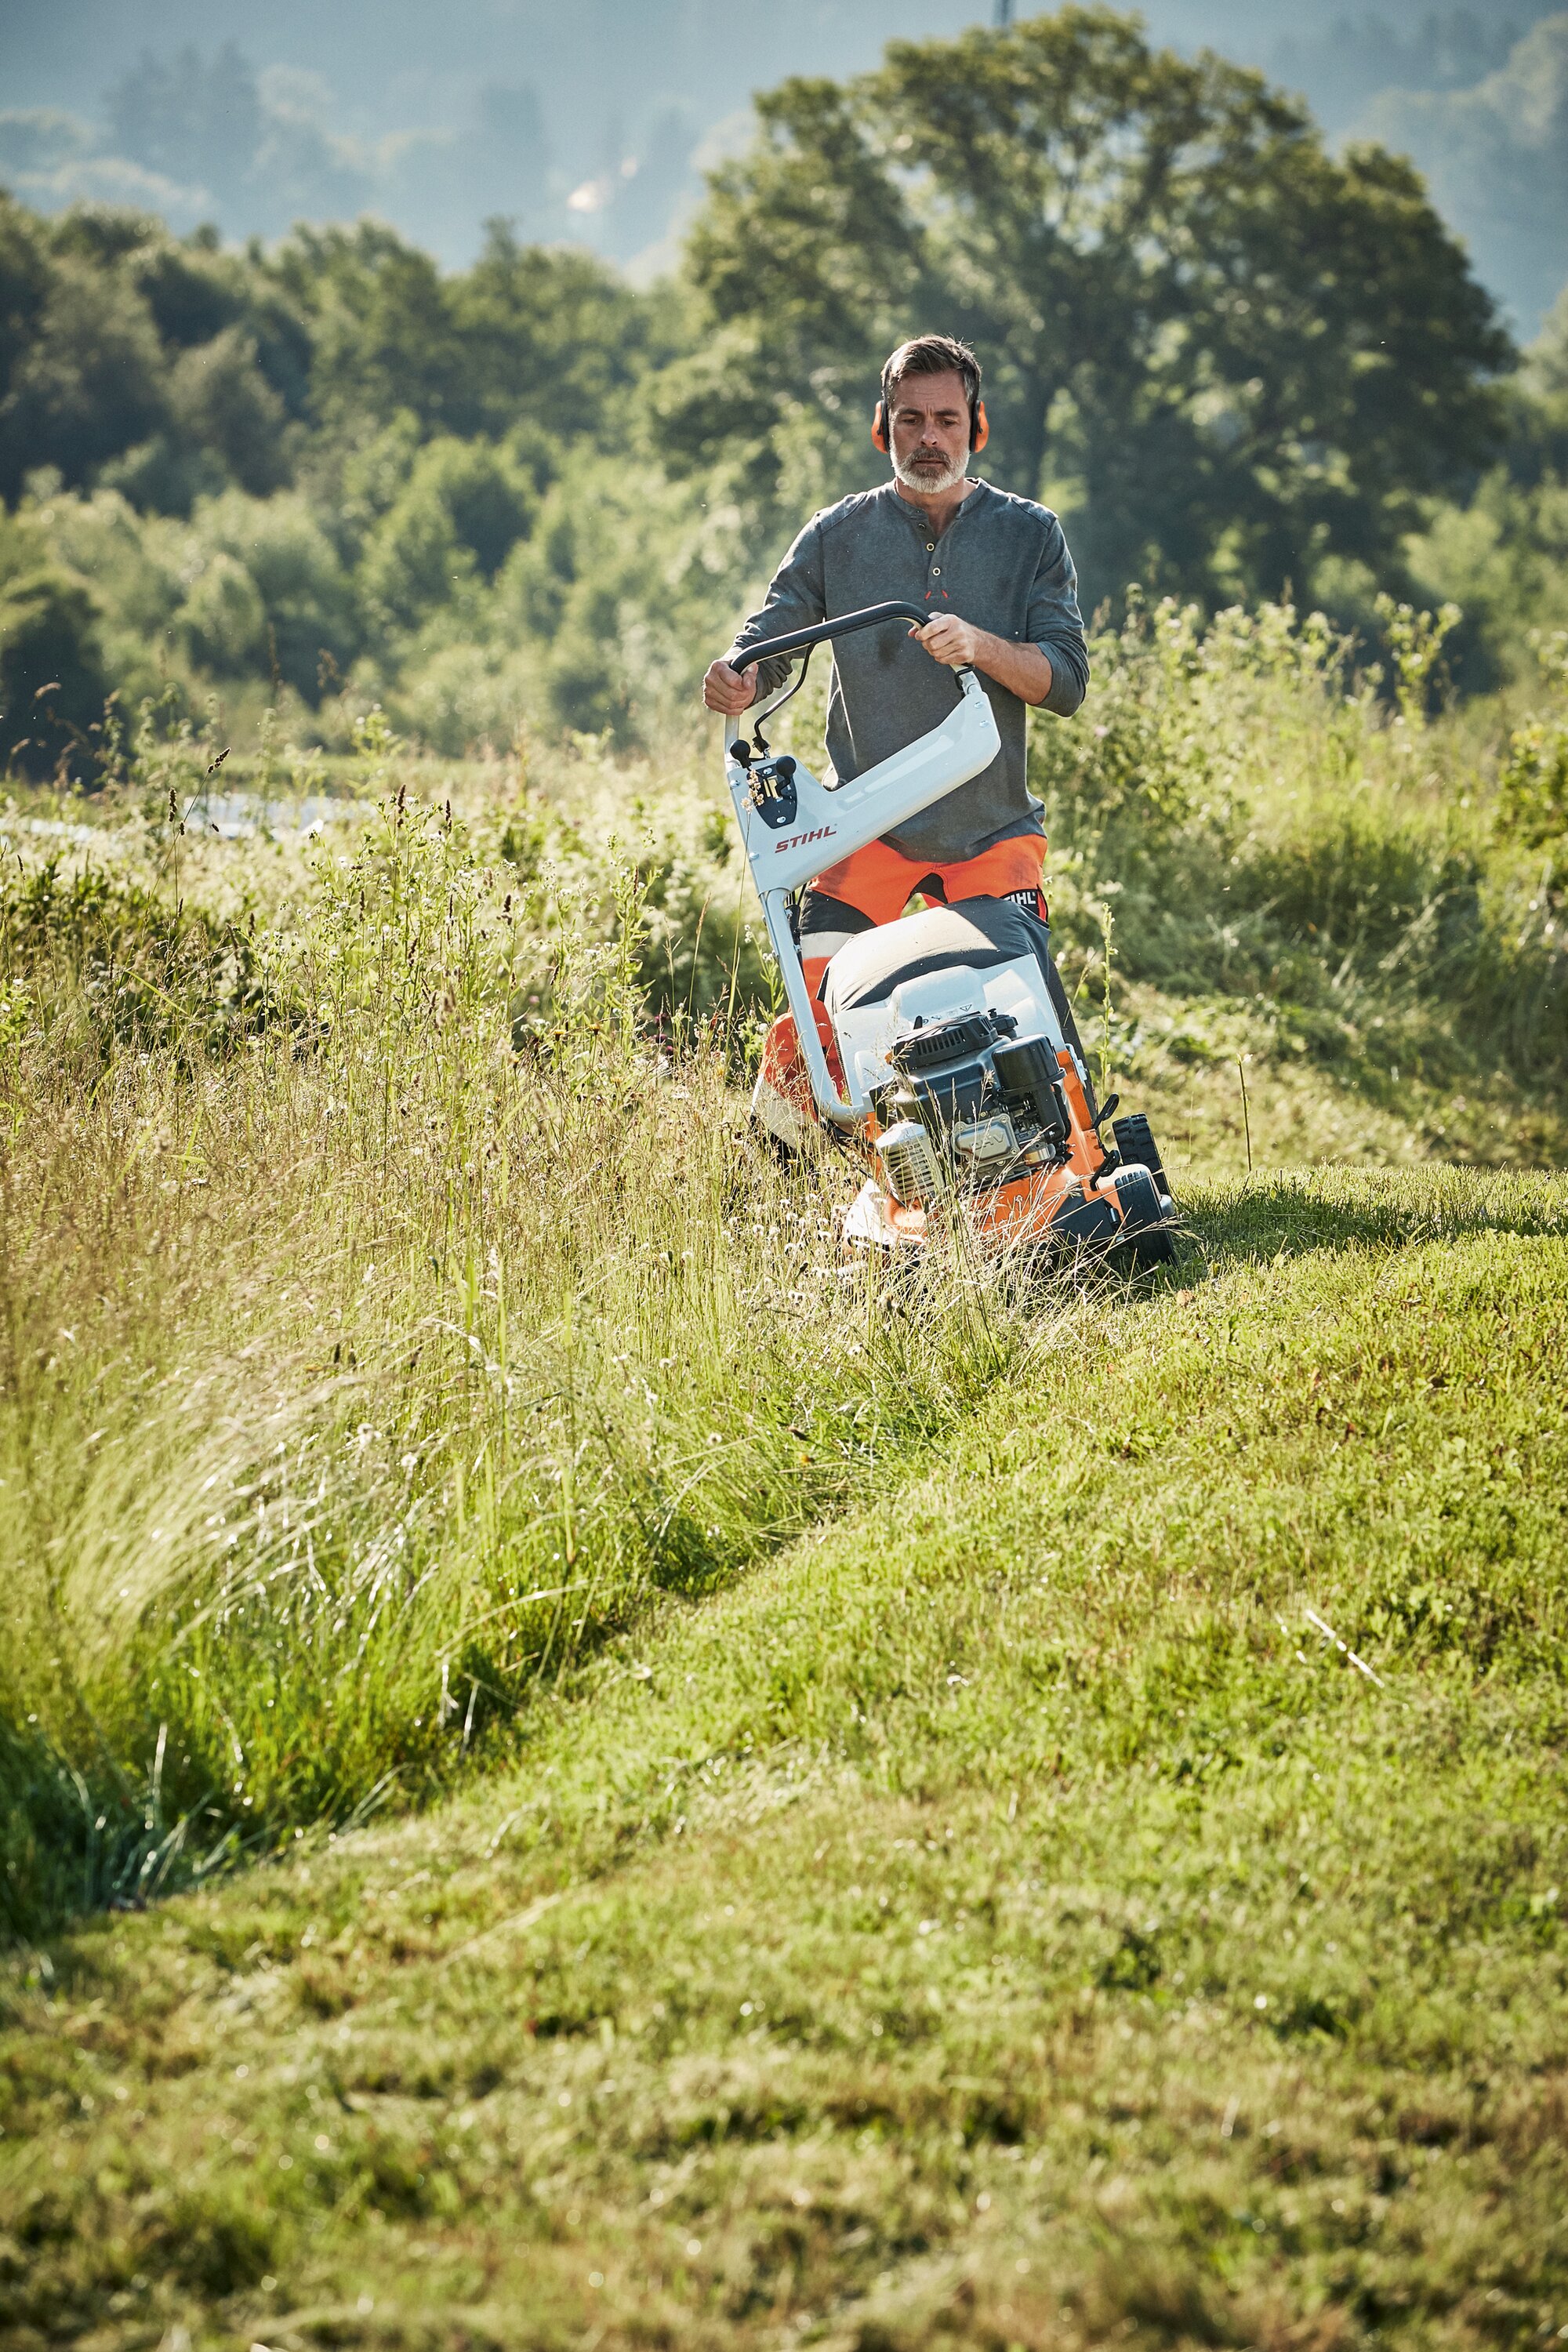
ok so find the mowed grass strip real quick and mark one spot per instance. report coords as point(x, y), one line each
point(1008, 1918)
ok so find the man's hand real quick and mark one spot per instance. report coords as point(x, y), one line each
point(729, 690)
point(1024, 670)
point(949, 641)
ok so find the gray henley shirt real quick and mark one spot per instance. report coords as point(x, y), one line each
point(1001, 563)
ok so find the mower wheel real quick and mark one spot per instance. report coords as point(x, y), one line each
point(1147, 1241)
point(1151, 1250)
point(1135, 1142)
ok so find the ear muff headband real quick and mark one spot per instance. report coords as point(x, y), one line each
point(979, 426)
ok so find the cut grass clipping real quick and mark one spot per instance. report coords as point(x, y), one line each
point(1107, 1888)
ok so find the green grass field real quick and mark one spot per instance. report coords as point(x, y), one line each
point(1008, 1917)
point(575, 1775)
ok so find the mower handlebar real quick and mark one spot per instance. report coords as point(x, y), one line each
point(794, 641)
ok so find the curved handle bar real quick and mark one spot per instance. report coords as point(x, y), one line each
point(794, 641)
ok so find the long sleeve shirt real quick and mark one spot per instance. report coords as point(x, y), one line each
point(1003, 564)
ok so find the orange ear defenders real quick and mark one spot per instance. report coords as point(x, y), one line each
point(979, 426)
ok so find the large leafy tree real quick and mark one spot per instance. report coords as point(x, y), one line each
point(1222, 352)
point(121, 347)
point(526, 333)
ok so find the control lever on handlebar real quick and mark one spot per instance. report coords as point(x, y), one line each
point(794, 641)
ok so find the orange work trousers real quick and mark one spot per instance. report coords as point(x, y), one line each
point(879, 882)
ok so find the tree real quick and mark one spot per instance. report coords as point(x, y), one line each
point(166, 366)
point(1497, 156)
point(1223, 353)
point(526, 332)
point(23, 284)
point(219, 396)
point(306, 603)
point(195, 291)
point(187, 117)
point(52, 681)
point(455, 521)
point(550, 335)
point(381, 327)
point(90, 382)
point(1503, 554)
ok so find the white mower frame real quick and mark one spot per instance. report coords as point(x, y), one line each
point(827, 824)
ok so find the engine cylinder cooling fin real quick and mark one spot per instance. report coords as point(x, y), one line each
point(911, 1168)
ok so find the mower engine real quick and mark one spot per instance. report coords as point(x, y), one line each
point(949, 1031)
point(971, 1103)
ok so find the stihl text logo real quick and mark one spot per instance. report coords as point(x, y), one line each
point(800, 840)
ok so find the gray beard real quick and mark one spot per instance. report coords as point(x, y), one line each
point(925, 480)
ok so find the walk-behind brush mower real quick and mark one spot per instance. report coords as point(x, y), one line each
point(943, 1049)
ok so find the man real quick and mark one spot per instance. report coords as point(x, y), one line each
point(994, 572)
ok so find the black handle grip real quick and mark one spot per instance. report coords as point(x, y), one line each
point(794, 641)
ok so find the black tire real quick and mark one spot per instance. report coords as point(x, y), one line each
point(1146, 1237)
point(1151, 1250)
point(1135, 1142)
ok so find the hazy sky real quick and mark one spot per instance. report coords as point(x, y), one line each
point(592, 120)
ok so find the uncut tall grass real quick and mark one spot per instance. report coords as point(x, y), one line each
point(358, 1374)
point(1328, 845)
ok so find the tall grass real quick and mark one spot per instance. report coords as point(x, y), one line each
point(364, 1359)
point(393, 1303)
point(1269, 825)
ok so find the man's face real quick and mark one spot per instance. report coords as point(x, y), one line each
point(929, 416)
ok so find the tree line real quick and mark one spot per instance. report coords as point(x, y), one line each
point(1236, 364)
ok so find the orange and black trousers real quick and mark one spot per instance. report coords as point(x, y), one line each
point(874, 885)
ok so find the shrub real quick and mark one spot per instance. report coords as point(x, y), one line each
point(124, 965)
point(52, 678)
point(1533, 787)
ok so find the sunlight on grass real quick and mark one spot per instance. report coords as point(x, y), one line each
point(396, 1305)
point(391, 1359)
point(1005, 1916)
